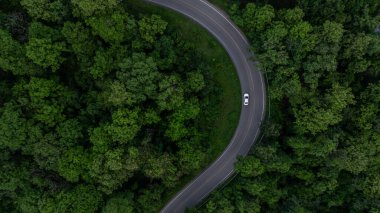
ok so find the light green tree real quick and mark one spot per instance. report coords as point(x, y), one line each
point(46, 10)
point(151, 27)
point(87, 8)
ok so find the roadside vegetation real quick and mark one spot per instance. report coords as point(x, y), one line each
point(107, 106)
point(222, 115)
point(321, 145)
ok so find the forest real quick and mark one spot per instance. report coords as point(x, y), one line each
point(102, 108)
point(321, 145)
point(107, 109)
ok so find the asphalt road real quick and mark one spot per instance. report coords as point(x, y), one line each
point(251, 81)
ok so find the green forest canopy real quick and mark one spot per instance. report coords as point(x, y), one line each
point(101, 108)
point(321, 145)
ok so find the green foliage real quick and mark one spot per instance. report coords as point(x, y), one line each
point(151, 27)
point(315, 119)
point(190, 157)
point(249, 167)
point(140, 75)
point(171, 94)
point(161, 167)
point(12, 55)
point(124, 126)
point(256, 19)
point(47, 99)
point(195, 81)
point(111, 28)
point(110, 168)
point(97, 98)
point(320, 148)
point(39, 30)
point(70, 132)
point(177, 128)
point(46, 10)
point(117, 95)
point(94, 101)
point(72, 163)
point(119, 204)
point(148, 199)
point(89, 8)
point(91, 99)
point(44, 47)
point(78, 36)
point(45, 53)
point(103, 63)
point(80, 199)
point(13, 128)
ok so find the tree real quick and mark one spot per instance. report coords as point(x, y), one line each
point(355, 50)
point(125, 125)
point(45, 46)
point(139, 75)
point(151, 27)
point(332, 32)
point(249, 167)
point(316, 118)
point(161, 168)
point(107, 170)
point(170, 93)
point(46, 10)
point(47, 99)
point(301, 41)
point(103, 63)
point(45, 53)
point(177, 128)
point(321, 147)
point(99, 109)
point(355, 158)
point(148, 199)
point(13, 127)
point(116, 95)
point(82, 198)
point(11, 178)
point(111, 29)
point(320, 67)
point(257, 18)
point(119, 204)
point(70, 132)
point(367, 119)
point(190, 156)
point(221, 204)
point(72, 163)
point(78, 36)
point(12, 56)
point(87, 8)
point(195, 81)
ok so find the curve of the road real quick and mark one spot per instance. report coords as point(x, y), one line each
point(251, 81)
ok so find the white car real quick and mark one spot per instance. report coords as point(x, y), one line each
point(246, 99)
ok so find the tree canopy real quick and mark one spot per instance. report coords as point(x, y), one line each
point(100, 107)
point(320, 148)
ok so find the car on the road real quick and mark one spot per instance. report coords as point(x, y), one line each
point(246, 99)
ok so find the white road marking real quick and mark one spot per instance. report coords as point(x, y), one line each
point(224, 16)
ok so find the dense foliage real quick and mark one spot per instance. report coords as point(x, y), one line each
point(321, 146)
point(100, 109)
point(103, 110)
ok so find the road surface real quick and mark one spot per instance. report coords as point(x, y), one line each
point(251, 81)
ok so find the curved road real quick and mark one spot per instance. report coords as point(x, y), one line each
point(251, 81)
